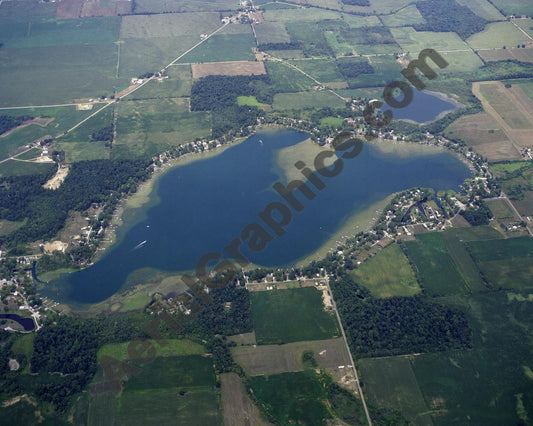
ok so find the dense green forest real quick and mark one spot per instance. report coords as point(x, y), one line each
point(23, 197)
point(448, 15)
point(480, 215)
point(104, 134)
point(7, 122)
point(357, 2)
point(397, 325)
point(353, 68)
point(219, 94)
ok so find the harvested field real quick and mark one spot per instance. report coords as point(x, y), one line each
point(228, 68)
point(275, 359)
point(97, 8)
point(511, 108)
point(485, 136)
point(169, 25)
point(237, 407)
point(69, 9)
point(523, 55)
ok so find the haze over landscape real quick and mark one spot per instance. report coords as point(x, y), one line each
point(310, 212)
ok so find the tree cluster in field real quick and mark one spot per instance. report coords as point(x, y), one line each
point(8, 122)
point(281, 46)
point(397, 325)
point(357, 2)
point(517, 182)
point(479, 215)
point(64, 355)
point(449, 16)
point(354, 68)
point(219, 94)
point(104, 134)
point(368, 35)
point(45, 211)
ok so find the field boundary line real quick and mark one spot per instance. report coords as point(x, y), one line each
point(288, 64)
point(141, 85)
point(526, 34)
point(349, 352)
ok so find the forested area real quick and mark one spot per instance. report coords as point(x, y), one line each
point(219, 94)
point(397, 325)
point(281, 46)
point(357, 2)
point(104, 134)
point(479, 215)
point(23, 197)
point(448, 15)
point(353, 68)
point(7, 122)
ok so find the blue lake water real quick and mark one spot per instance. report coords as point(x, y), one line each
point(203, 205)
point(424, 107)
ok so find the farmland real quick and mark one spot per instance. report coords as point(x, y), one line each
point(176, 388)
point(145, 123)
point(228, 68)
point(284, 316)
point(388, 274)
point(307, 100)
point(292, 397)
point(485, 136)
point(391, 383)
point(237, 407)
point(497, 35)
point(66, 52)
point(437, 271)
point(276, 359)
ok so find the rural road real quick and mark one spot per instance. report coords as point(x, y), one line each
point(349, 353)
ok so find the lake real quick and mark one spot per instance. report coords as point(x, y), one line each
point(200, 207)
point(27, 323)
point(425, 107)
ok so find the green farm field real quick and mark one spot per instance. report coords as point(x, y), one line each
point(406, 16)
point(307, 100)
point(272, 32)
point(287, 79)
point(23, 168)
point(500, 209)
point(514, 7)
point(285, 316)
point(276, 359)
point(67, 72)
point(388, 274)
point(223, 47)
point(164, 122)
point(484, 385)
point(48, 32)
point(390, 382)
point(165, 6)
point(169, 25)
point(497, 35)
point(178, 84)
point(163, 348)
point(463, 261)
point(25, 9)
point(505, 263)
point(167, 390)
point(292, 397)
point(322, 70)
point(483, 8)
point(437, 271)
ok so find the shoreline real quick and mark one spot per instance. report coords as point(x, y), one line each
point(442, 97)
point(143, 194)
